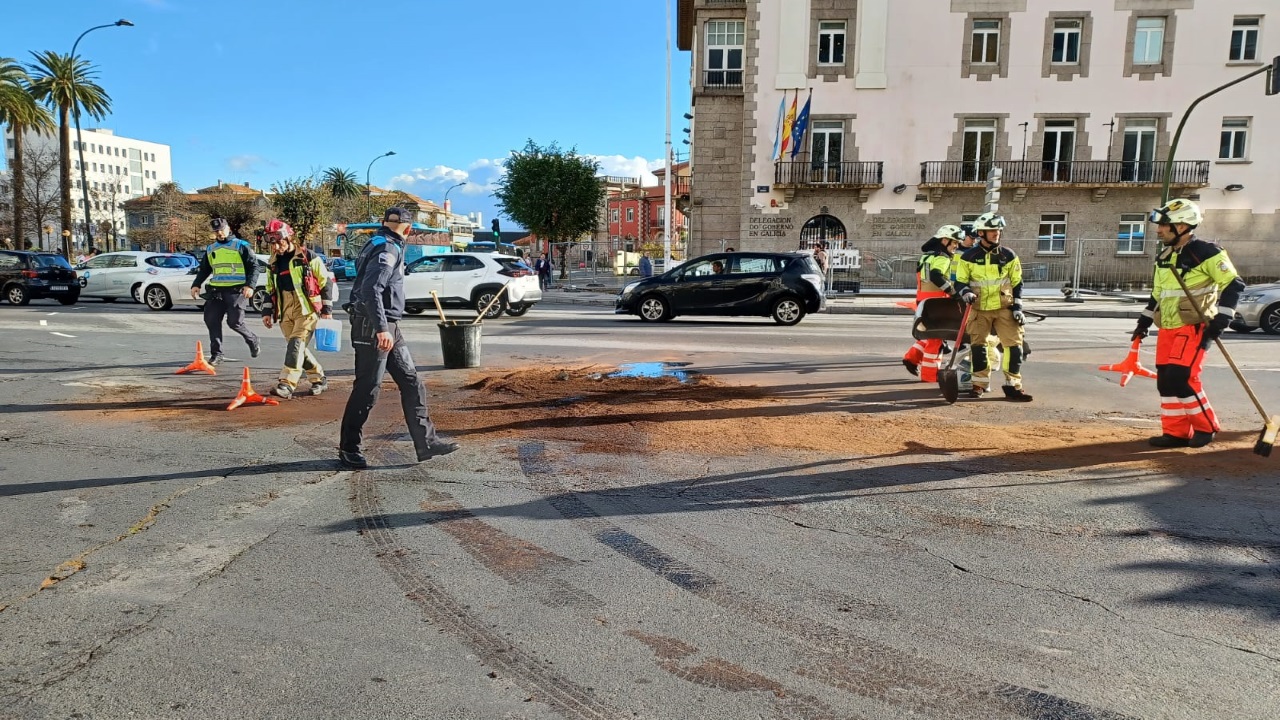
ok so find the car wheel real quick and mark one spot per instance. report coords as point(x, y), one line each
point(259, 300)
point(136, 292)
point(654, 309)
point(518, 310)
point(483, 299)
point(1270, 319)
point(787, 310)
point(69, 299)
point(157, 298)
point(17, 295)
point(415, 310)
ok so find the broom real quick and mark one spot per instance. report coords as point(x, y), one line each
point(1271, 423)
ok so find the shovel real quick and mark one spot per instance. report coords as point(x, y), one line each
point(948, 380)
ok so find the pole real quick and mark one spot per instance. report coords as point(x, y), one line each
point(666, 179)
point(368, 187)
point(1173, 148)
point(84, 182)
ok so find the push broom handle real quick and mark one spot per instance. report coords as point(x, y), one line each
point(1222, 348)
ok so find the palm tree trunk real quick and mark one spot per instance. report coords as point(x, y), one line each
point(64, 176)
point(19, 200)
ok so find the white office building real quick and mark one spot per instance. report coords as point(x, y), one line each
point(117, 169)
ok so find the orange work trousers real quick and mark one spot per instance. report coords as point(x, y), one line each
point(1184, 408)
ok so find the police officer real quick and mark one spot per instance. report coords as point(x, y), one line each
point(376, 306)
point(990, 275)
point(1186, 417)
point(232, 272)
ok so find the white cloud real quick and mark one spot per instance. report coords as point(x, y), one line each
point(635, 167)
point(479, 178)
point(246, 163)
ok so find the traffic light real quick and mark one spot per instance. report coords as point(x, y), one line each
point(497, 233)
point(992, 199)
point(1273, 77)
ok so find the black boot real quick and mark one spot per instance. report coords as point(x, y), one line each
point(1199, 439)
point(1168, 441)
point(911, 367)
point(1015, 394)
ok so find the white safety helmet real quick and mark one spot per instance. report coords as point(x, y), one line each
point(1177, 211)
point(950, 232)
point(988, 221)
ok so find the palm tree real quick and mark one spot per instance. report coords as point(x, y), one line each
point(67, 83)
point(20, 111)
point(342, 183)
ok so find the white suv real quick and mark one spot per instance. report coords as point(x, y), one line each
point(116, 275)
point(470, 280)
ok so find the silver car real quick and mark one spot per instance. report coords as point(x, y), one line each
point(1259, 307)
point(115, 275)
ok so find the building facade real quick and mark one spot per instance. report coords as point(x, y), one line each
point(912, 102)
point(117, 169)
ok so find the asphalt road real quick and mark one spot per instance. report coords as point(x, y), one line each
point(205, 564)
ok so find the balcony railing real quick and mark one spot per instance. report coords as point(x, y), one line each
point(1186, 173)
point(722, 79)
point(836, 174)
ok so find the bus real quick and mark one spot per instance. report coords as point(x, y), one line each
point(423, 240)
point(488, 246)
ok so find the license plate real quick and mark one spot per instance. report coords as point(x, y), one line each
point(57, 288)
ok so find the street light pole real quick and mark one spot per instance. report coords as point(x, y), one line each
point(449, 211)
point(368, 189)
point(84, 182)
point(666, 178)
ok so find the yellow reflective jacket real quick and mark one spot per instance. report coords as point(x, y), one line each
point(933, 272)
point(299, 269)
point(995, 276)
point(1209, 275)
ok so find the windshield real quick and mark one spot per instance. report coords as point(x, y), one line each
point(170, 261)
point(52, 261)
point(510, 263)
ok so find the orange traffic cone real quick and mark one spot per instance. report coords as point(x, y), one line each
point(248, 395)
point(908, 304)
point(1130, 366)
point(200, 364)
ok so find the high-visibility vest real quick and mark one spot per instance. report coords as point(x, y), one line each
point(227, 264)
point(1205, 281)
point(991, 275)
point(928, 263)
point(296, 275)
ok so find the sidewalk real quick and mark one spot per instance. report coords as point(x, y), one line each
point(1046, 302)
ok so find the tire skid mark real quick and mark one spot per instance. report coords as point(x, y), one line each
point(851, 663)
point(721, 674)
point(442, 610)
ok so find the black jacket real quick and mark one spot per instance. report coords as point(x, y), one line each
point(378, 290)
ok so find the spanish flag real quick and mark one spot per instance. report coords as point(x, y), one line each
point(787, 124)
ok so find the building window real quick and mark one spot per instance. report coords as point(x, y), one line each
point(1133, 230)
point(831, 42)
point(725, 42)
point(1138, 153)
point(1148, 41)
point(1053, 233)
point(613, 215)
point(1234, 142)
point(631, 214)
point(986, 42)
point(1059, 150)
point(1066, 42)
point(1244, 39)
point(827, 150)
point(979, 149)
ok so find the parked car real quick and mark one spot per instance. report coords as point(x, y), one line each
point(342, 268)
point(162, 293)
point(784, 286)
point(1259, 307)
point(116, 275)
point(27, 276)
point(470, 280)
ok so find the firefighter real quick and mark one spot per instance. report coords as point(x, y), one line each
point(1186, 418)
point(933, 280)
point(989, 277)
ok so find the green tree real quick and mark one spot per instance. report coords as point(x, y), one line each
point(67, 84)
point(553, 193)
point(239, 211)
point(341, 183)
point(22, 113)
point(304, 204)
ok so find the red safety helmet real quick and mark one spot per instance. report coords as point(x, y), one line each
point(279, 228)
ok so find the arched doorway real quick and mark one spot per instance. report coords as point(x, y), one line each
point(843, 261)
point(822, 229)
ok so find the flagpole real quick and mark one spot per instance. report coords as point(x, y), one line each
point(666, 178)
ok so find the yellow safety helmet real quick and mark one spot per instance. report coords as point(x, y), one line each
point(1177, 211)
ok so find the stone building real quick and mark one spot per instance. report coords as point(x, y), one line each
point(912, 102)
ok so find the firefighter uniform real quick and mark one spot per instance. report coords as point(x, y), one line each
point(994, 275)
point(933, 280)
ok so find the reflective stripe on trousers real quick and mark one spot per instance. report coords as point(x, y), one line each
point(1184, 407)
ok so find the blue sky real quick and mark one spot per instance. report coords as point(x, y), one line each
point(271, 89)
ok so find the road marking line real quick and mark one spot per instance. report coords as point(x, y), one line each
point(53, 313)
point(44, 322)
point(61, 334)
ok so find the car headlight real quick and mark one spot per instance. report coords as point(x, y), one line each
point(626, 289)
point(1252, 298)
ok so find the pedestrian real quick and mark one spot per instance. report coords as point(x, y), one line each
point(996, 272)
point(646, 265)
point(542, 266)
point(820, 254)
point(729, 249)
point(8, 243)
point(1186, 417)
point(376, 306)
point(933, 280)
point(232, 272)
point(300, 294)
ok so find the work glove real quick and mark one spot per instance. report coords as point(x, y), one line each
point(1144, 325)
point(1214, 328)
point(1018, 317)
point(967, 297)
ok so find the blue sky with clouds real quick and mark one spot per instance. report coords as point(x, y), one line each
point(264, 90)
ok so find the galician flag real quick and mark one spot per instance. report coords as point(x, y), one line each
point(777, 127)
point(787, 123)
point(801, 124)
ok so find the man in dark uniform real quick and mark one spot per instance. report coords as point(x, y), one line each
point(377, 304)
point(232, 271)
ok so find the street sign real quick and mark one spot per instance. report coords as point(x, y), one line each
point(992, 198)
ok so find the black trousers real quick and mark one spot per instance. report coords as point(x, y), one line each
point(371, 364)
point(229, 303)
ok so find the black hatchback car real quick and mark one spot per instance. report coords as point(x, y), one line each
point(784, 286)
point(27, 276)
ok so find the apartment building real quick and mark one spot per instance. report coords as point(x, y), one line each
point(117, 169)
point(912, 102)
